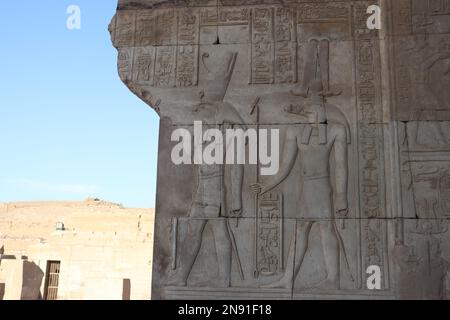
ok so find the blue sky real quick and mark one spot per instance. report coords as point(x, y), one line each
point(69, 128)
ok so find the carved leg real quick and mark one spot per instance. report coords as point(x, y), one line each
point(223, 250)
point(188, 252)
point(330, 245)
point(299, 243)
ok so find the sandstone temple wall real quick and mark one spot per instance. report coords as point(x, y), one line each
point(364, 123)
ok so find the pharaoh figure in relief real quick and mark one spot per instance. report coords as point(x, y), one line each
point(423, 62)
point(212, 204)
point(318, 140)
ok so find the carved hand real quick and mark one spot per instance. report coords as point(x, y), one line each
point(235, 213)
point(341, 205)
point(258, 188)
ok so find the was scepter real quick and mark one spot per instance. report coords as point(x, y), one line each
point(255, 109)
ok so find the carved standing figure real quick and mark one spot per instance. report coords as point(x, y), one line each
point(317, 142)
point(422, 59)
point(216, 198)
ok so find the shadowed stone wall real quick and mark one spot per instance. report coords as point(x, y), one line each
point(364, 123)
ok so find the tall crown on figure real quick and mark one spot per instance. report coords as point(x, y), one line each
point(217, 76)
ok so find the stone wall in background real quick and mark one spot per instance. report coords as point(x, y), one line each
point(364, 122)
point(101, 247)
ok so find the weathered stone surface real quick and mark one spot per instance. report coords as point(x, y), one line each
point(363, 117)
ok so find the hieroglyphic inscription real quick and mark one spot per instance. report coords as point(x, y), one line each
point(124, 29)
point(144, 58)
point(166, 27)
point(165, 66)
point(402, 12)
point(187, 66)
point(187, 51)
point(404, 79)
point(368, 131)
point(125, 63)
point(208, 17)
point(188, 27)
point(174, 60)
point(331, 20)
point(270, 234)
point(234, 16)
point(145, 28)
point(373, 243)
point(360, 17)
point(313, 13)
point(225, 16)
point(285, 46)
point(262, 46)
point(371, 169)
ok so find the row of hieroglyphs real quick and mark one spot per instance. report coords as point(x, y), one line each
point(161, 47)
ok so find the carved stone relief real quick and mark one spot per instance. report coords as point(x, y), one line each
point(364, 134)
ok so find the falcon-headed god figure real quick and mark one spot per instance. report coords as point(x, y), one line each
point(218, 195)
